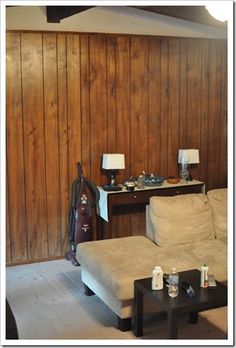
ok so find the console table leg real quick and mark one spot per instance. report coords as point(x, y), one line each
point(138, 312)
point(193, 317)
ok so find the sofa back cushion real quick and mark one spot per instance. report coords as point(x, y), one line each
point(218, 202)
point(181, 219)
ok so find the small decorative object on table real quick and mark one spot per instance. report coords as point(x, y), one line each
point(173, 180)
point(153, 180)
point(130, 184)
point(211, 281)
point(140, 181)
point(186, 286)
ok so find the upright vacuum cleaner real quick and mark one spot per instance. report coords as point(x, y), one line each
point(84, 197)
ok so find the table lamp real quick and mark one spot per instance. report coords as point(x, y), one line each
point(111, 162)
point(186, 157)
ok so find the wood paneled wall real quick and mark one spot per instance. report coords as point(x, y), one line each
point(72, 97)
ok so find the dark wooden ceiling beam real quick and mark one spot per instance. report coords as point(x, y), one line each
point(56, 13)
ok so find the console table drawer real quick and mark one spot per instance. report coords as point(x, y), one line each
point(138, 197)
point(130, 198)
point(180, 190)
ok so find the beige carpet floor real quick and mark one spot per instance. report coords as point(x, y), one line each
point(48, 302)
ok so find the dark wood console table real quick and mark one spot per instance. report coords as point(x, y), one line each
point(110, 200)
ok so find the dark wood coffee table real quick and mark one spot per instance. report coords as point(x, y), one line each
point(206, 298)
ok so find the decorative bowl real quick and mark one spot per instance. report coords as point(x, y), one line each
point(153, 180)
point(173, 180)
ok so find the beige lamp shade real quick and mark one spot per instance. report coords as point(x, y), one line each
point(189, 156)
point(113, 161)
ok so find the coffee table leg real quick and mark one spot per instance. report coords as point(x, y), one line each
point(138, 312)
point(193, 317)
point(172, 325)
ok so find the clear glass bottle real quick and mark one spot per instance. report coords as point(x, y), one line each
point(140, 182)
point(173, 289)
point(184, 170)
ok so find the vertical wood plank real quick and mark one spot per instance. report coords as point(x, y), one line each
point(214, 115)
point(51, 142)
point(98, 103)
point(154, 103)
point(9, 240)
point(74, 102)
point(16, 205)
point(194, 99)
point(203, 153)
point(32, 85)
point(111, 94)
point(174, 96)
point(183, 95)
point(122, 124)
point(85, 105)
point(63, 140)
point(139, 105)
point(139, 114)
point(223, 119)
point(164, 106)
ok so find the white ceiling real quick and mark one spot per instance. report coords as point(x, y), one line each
point(109, 19)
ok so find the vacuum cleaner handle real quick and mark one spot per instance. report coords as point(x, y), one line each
point(91, 186)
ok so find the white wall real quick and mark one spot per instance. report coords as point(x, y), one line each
point(109, 19)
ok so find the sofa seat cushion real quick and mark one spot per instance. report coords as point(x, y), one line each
point(181, 219)
point(116, 263)
point(218, 202)
point(194, 255)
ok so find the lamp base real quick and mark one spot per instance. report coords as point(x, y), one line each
point(111, 188)
point(184, 171)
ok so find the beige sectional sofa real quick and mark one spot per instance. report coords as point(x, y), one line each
point(182, 231)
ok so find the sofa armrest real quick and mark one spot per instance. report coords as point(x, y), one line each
point(149, 226)
point(218, 200)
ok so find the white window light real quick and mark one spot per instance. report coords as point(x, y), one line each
point(220, 10)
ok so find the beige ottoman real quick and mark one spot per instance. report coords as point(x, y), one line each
point(109, 268)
